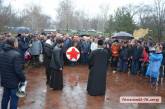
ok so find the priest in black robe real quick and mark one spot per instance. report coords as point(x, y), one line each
point(56, 65)
point(98, 65)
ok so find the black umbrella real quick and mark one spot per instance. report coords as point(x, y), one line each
point(22, 30)
point(123, 35)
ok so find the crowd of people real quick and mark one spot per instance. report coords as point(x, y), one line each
point(136, 57)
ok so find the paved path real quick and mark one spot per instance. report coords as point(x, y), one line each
point(74, 95)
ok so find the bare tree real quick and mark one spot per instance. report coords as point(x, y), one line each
point(153, 17)
point(65, 15)
point(104, 10)
point(35, 19)
point(5, 13)
point(159, 16)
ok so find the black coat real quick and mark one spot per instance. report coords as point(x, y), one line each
point(163, 61)
point(98, 64)
point(47, 53)
point(23, 45)
point(1, 47)
point(57, 58)
point(124, 53)
point(11, 67)
point(1, 51)
point(136, 53)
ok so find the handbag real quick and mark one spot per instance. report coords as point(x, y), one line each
point(41, 58)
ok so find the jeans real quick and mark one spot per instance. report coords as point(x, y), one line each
point(9, 95)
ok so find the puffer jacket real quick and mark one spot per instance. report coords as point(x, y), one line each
point(11, 67)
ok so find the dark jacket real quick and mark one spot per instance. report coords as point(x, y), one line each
point(85, 47)
point(1, 47)
point(11, 67)
point(47, 53)
point(23, 45)
point(67, 44)
point(124, 53)
point(57, 58)
point(129, 51)
point(163, 61)
point(136, 53)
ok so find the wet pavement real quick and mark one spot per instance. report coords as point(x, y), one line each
point(74, 95)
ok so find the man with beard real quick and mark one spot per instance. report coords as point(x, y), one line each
point(98, 64)
point(56, 65)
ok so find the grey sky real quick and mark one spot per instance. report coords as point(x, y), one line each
point(88, 6)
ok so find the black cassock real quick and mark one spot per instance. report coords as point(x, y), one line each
point(56, 78)
point(98, 64)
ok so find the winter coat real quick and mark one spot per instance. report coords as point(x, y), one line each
point(47, 53)
point(67, 44)
point(124, 53)
point(136, 53)
point(11, 67)
point(85, 47)
point(1, 47)
point(23, 45)
point(36, 48)
point(163, 61)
